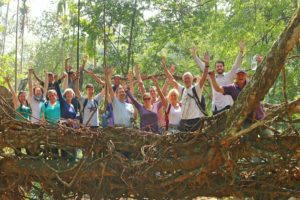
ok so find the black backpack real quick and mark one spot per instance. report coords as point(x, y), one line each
point(201, 104)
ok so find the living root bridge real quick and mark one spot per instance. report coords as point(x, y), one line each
point(183, 165)
point(221, 159)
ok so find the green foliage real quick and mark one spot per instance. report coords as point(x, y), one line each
point(215, 26)
point(6, 68)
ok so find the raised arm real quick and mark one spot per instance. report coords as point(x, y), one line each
point(94, 76)
point(131, 82)
point(108, 75)
point(81, 69)
point(77, 91)
point(214, 83)
point(139, 79)
point(238, 61)
point(13, 93)
point(46, 83)
point(166, 87)
point(59, 94)
point(167, 82)
point(84, 61)
point(61, 78)
point(199, 62)
point(67, 67)
point(162, 96)
point(65, 84)
point(36, 77)
point(204, 76)
point(133, 100)
point(168, 74)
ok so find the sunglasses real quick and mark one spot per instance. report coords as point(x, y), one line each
point(146, 99)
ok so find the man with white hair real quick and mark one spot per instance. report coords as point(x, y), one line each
point(191, 97)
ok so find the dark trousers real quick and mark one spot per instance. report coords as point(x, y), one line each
point(189, 125)
point(221, 110)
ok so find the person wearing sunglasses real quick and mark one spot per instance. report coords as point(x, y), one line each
point(155, 101)
point(148, 118)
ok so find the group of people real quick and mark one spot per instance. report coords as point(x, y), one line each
point(61, 100)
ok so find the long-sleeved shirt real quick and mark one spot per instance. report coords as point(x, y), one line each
point(219, 100)
point(72, 83)
point(67, 111)
point(148, 119)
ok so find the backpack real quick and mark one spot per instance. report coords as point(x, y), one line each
point(167, 116)
point(201, 104)
point(96, 103)
point(107, 116)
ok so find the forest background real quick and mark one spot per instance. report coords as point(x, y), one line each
point(122, 33)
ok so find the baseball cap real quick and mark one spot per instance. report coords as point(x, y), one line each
point(241, 71)
point(117, 76)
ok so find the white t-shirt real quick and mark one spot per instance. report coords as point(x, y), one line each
point(157, 108)
point(36, 107)
point(123, 112)
point(89, 109)
point(190, 109)
point(219, 100)
point(175, 115)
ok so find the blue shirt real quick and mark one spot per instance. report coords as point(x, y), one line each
point(67, 111)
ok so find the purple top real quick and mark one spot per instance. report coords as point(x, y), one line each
point(234, 90)
point(148, 119)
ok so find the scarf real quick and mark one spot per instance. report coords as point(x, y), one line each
point(39, 99)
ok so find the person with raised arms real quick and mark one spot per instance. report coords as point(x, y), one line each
point(37, 96)
point(90, 104)
point(172, 107)
point(155, 101)
point(51, 80)
point(22, 108)
point(148, 118)
point(21, 105)
point(234, 90)
point(123, 111)
point(191, 95)
point(67, 109)
point(222, 102)
point(73, 76)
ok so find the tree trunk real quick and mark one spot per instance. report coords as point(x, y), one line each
point(16, 54)
point(5, 30)
point(265, 76)
point(23, 33)
point(130, 43)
